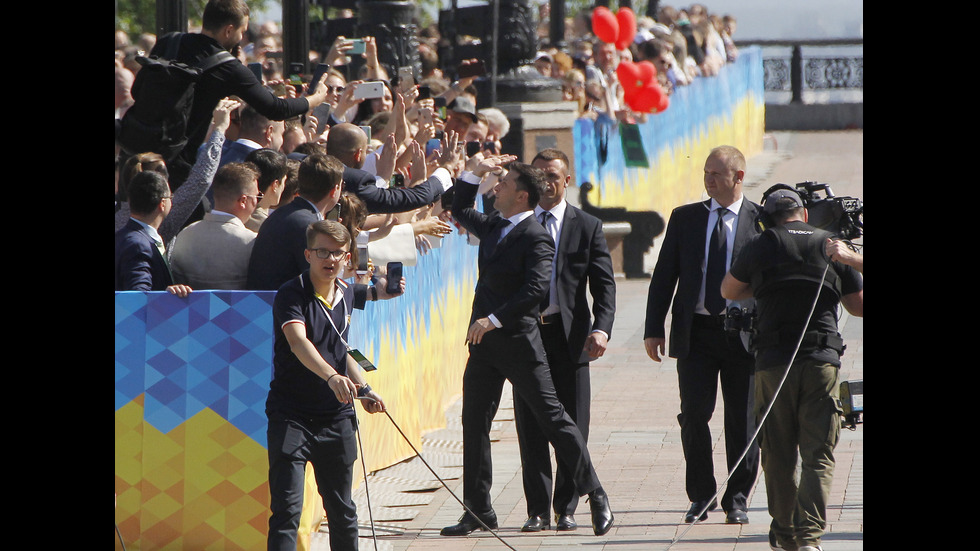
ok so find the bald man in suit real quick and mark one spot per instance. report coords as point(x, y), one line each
point(700, 242)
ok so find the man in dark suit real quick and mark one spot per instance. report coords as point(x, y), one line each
point(280, 246)
point(279, 251)
point(140, 255)
point(257, 132)
point(571, 339)
point(348, 143)
point(505, 341)
point(696, 252)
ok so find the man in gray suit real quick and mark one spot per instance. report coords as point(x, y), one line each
point(213, 253)
point(700, 242)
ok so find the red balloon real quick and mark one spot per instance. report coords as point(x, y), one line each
point(648, 71)
point(604, 25)
point(647, 99)
point(630, 78)
point(627, 28)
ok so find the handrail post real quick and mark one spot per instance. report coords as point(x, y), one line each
point(796, 74)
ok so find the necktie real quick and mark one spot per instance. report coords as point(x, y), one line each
point(715, 271)
point(495, 235)
point(545, 218)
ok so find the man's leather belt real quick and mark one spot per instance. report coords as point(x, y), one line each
point(549, 319)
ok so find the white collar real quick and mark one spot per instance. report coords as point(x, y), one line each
point(558, 210)
point(734, 207)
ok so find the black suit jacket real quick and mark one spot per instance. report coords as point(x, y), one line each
point(583, 260)
point(383, 201)
point(679, 263)
point(514, 277)
point(278, 253)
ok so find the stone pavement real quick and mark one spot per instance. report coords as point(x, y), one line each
point(634, 436)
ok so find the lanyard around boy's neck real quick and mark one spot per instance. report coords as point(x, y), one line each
point(327, 310)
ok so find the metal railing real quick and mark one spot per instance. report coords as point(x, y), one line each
point(797, 73)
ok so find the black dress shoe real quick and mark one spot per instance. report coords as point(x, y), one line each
point(602, 517)
point(536, 523)
point(696, 508)
point(468, 524)
point(566, 523)
point(736, 516)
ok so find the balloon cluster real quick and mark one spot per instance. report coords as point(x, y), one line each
point(641, 90)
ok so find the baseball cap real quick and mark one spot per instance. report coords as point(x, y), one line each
point(464, 106)
point(782, 199)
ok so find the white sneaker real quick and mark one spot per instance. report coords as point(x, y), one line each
point(811, 548)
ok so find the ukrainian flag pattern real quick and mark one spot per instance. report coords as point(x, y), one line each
point(727, 109)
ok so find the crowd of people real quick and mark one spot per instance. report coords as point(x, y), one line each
point(312, 189)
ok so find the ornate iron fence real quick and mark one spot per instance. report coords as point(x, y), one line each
point(796, 73)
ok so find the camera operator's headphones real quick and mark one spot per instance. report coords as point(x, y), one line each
point(764, 220)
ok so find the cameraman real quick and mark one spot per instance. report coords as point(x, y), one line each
point(840, 251)
point(786, 269)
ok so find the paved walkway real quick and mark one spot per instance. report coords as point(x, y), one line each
point(634, 435)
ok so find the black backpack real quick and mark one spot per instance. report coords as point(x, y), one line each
point(163, 94)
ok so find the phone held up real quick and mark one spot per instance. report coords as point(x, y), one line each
point(394, 278)
point(369, 90)
point(318, 73)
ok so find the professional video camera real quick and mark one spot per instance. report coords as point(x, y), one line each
point(842, 216)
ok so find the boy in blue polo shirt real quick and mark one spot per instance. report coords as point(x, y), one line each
point(314, 385)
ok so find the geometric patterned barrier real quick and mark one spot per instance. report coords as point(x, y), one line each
point(191, 380)
point(728, 108)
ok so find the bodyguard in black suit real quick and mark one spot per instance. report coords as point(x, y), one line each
point(505, 341)
point(704, 350)
point(571, 340)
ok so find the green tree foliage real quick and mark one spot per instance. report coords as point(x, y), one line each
point(139, 16)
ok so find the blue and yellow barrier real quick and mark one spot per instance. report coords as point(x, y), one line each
point(192, 377)
point(727, 109)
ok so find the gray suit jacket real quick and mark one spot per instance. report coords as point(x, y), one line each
point(213, 253)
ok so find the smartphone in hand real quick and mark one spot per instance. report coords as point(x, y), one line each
point(394, 278)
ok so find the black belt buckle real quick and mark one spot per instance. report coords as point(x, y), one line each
point(549, 319)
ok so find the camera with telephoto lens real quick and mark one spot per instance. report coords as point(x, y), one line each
point(843, 216)
point(740, 319)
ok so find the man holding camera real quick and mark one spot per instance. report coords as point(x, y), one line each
point(701, 240)
point(790, 271)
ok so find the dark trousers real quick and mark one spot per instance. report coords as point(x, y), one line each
point(573, 387)
point(483, 382)
point(715, 354)
point(332, 449)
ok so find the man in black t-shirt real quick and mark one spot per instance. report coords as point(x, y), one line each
point(223, 24)
point(787, 270)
